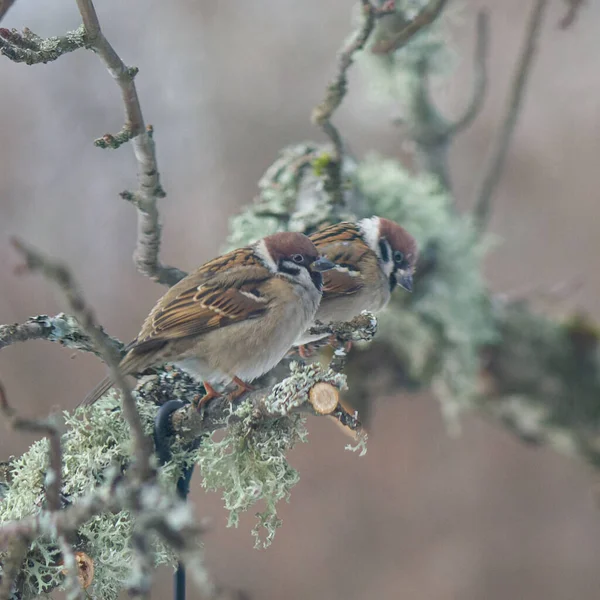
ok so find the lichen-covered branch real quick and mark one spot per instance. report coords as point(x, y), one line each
point(61, 328)
point(499, 151)
point(31, 49)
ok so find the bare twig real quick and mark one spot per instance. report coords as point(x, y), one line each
point(335, 92)
point(61, 328)
point(493, 170)
point(573, 8)
point(425, 17)
point(60, 275)
point(149, 188)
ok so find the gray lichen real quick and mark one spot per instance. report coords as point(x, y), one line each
point(249, 464)
point(95, 440)
point(439, 330)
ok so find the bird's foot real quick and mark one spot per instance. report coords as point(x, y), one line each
point(241, 388)
point(209, 395)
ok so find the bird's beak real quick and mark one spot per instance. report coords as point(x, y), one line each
point(406, 281)
point(322, 264)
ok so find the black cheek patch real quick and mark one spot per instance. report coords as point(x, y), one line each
point(383, 248)
point(285, 267)
point(393, 281)
point(317, 279)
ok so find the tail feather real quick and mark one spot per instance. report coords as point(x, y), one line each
point(97, 392)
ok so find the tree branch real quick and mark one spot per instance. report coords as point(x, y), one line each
point(62, 328)
point(409, 28)
point(480, 76)
point(431, 132)
point(4, 6)
point(149, 187)
point(497, 158)
point(31, 49)
point(334, 94)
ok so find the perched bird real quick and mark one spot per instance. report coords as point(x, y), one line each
point(234, 318)
point(372, 257)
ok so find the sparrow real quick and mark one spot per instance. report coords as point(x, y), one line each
point(372, 257)
point(234, 318)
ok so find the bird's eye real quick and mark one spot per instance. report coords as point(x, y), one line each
point(398, 257)
point(298, 259)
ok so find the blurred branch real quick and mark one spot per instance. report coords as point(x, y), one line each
point(430, 131)
point(480, 76)
point(493, 170)
point(60, 275)
point(573, 8)
point(62, 328)
point(337, 89)
point(540, 379)
point(32, 49)
point(149, 188)
point(409, 28)
point(4, 6)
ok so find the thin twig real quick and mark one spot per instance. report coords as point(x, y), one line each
point(35, 261)
point(480, 78)
point(499, 151)
point(149, 187)
point(335, 93)
point(573, 8)
point(4, 6)
point(425, 17)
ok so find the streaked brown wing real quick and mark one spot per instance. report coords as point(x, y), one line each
point(198, 310)
point(338, 283)
point(343, 244)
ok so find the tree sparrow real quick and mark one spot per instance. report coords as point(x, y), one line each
point(235, 317)
point(372, 257)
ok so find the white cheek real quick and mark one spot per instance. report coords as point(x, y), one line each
point(387, 268)
point(370, 231)
point(304, 279)
point(261, 249)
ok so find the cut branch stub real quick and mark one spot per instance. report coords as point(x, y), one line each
point(324, 398)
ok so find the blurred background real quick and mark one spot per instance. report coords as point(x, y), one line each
point(422, 516)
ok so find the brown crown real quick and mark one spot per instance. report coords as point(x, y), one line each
point(399, 239)
point(282, 245)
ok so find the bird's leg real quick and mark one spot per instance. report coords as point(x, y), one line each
point(210, 394)
point(242, 388)
point(305, 351)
